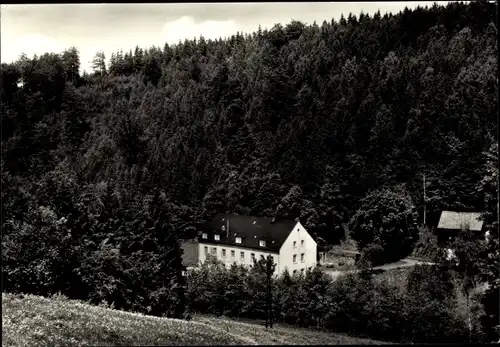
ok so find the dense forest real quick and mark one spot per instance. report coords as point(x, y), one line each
point(333, 123)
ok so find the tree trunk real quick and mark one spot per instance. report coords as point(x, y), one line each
point(469, 320)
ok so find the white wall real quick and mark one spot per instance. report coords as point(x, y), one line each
point(228, 260)
point(309, 249)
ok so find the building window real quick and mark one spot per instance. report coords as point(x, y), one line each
point(294, 244)
point(206, 250)
point(302, 258)
point(233, 254)
point(294, 272)
point(214, 250)
point(252, 256)
point(301, 243)
point(223, 228)
point(295, 258)
point(242, 256)
point(223, 253)
point(238, 240)
point(204, 235)
point(262, 243)
point(302, 271)
point(216, 237)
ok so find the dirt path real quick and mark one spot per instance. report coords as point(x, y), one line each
point(402, 263)
point(407, 262)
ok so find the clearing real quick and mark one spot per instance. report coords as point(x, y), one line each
point(30, 320)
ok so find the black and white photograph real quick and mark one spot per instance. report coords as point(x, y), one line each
point(271, 173)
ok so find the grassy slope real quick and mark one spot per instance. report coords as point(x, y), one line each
point(283, 335)
point(36, 321)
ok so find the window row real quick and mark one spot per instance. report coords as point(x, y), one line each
point(233, 253)
point(295, 243)
point(302, 258)
point(302, 271)
point(262, 243)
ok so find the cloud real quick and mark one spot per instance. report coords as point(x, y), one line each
point(186, 28)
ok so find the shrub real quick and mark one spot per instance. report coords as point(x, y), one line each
point(373, 253)
point(424, 311)
point(426, 246)
point(384, 226)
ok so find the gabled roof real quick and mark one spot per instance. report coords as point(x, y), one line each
point(250, 229)
point(459, 220)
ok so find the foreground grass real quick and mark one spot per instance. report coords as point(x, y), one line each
point(29, 320)
point(284, 335)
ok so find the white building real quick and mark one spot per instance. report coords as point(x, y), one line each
point(238, 239)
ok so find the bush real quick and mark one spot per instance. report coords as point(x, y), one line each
point(373, 253)
point(384, 310)
point(384, 225)
point(424, 311)
point(426, 246)
point(489, 320)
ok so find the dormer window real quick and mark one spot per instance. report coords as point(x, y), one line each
point(238, 240)
point(216, 237)
point(262, 243)
point(204, 236)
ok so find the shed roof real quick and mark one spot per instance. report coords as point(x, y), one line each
point(459, 220)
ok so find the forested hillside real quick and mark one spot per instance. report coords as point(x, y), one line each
point(102, 173)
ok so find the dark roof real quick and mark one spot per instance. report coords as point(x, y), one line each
point(250, 229)
point(458, 220)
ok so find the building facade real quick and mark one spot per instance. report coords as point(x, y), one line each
point(236, 239)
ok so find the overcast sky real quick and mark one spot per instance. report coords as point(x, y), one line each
point(37, 29)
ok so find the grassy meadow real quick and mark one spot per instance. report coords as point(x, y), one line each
point(30, 320)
